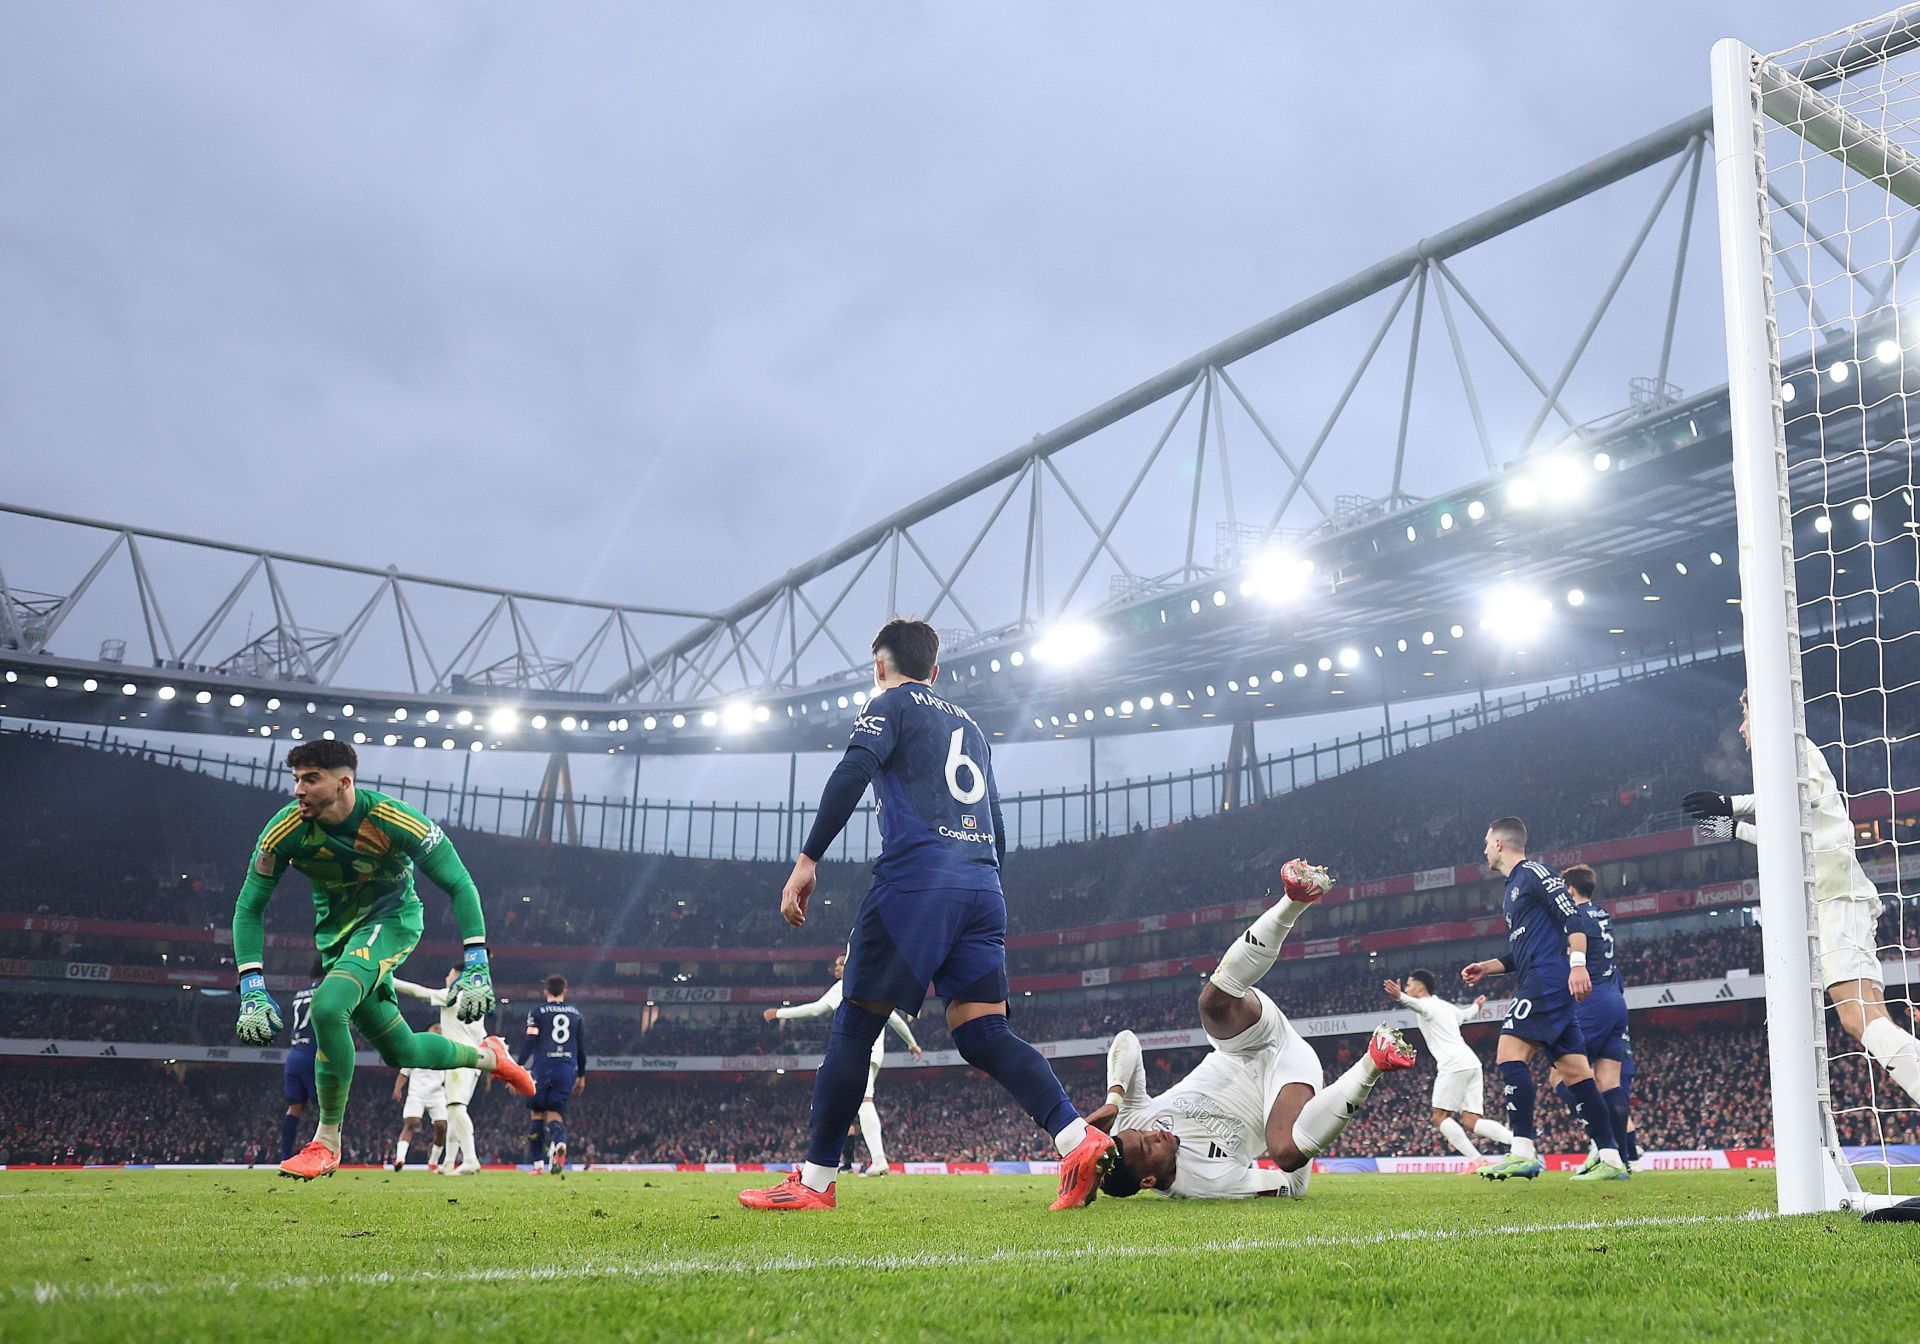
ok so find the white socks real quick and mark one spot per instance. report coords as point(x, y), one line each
point(1523, 1147)
point(816, 1177)
point(1457, 1137)
point(1492, 1130)
point(329, 1135)
point(460, 1136)
point(1898, 1053)
point(1252, 954)
point(400, 1152)
point(1327, 1113)
point(434, 1155)
point(1070, 1138)
point(870, 1131)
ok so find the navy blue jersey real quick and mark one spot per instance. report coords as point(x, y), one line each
point(936, 792)
point(1540, 915)
point(555, 1032)
point(1597, 924)
point(302, 1038)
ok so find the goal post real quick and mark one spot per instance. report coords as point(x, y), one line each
point(1819, 195)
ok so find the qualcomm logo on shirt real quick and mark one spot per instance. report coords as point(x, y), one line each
point(874, 724)
point(434, 836)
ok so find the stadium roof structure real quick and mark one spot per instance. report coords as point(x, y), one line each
point(1583, 544)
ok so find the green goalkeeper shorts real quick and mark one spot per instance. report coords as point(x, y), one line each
point(371, 953)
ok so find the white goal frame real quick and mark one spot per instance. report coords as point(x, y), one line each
point(1812, 1173)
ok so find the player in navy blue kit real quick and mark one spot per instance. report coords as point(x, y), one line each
point(296, 1075)
point(557, 1058)
point(1547, 948)
point(934, 913)
point(1603, 1014)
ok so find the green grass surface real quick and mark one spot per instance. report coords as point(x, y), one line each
point(392, 1258)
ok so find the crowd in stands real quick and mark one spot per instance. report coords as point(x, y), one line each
point(179, 841)
point(1704, 1087)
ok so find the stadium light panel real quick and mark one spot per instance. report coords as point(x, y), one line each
point(992, 666)
point(391, 739)
point(1839, 371)
point(1456, 631)
point(1071, 643)
point(1411, 534)
point(539, 721)
point(843, 702)
point(679, 720)
point(1234, 687)
point(295, 734)
point(52, 682)
point(649, 723)
point(399, 714)
point(1714, 556)
point(418, 741)
point(1194, 606)
point(1603, 461)
point(568, 724)
point(1277, 675)
point(1211, 692)
point(328, 735)
point(1349, 658)
point(1446, 522)
point(1886, 351)
point(346, 711)
point(165, 692)
point(504, 719)
point(1219, 598)
point(1822, 524)
point(735, 717)
point(1016, 657)
point(1786, 392)
point(1299, 669)
point(1575, 597)
point(464, 717)
point(433, 716)
point(1126, 706)
point(1521, 494)
point(1476, 510)
point(1680, 568)
point(1108, 710)
point(1325, 664)
point(12, 676)
point(312, 708)
point(1862, 511)
point(203, 698)
point(479, 746)
point(446, 744)
point(709, 719)
point(359, 739)
point(1166, 697)
point(236, 699)
point(129, 689)
point(859, 698)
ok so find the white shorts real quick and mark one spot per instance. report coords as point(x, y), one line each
point(1274, 1052)
point(460, 1085)
point(426, 1096)
point(1460, 1090)
point(1847, 947)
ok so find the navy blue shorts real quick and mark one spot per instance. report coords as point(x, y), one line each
point(1547, 1020)
point(903, 940)
point(552, 1085)
point(296, 1077)
point(1603, 1024)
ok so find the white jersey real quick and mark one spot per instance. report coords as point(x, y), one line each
point(1440, 1025)
point(1219, 1111)
point(466, 1033)
point(828, 1003)
point(1837, 875)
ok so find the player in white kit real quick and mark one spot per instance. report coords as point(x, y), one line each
point(825, 1006)
point(460, 1083)
point(1459, 1087)
point(1846, 902)
point(1259, 1094)
point(426, 1097)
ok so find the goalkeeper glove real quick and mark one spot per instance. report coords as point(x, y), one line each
point(259, 1014)
point(473, 991)
point(1706, 805)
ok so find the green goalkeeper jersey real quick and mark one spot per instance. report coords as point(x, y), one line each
point(361, 869)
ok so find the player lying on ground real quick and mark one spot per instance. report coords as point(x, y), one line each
point(1602, 1017)
point(1848, 905)
point(557, 1057)
point(934, 913)
point(1259, 1094)
point(825, 1006)
point(1459, 1087)
point(462, 1157)
point(358, 848)
point(423, 1096)
point(1547, 948)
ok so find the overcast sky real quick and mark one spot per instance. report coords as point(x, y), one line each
point(652, 302)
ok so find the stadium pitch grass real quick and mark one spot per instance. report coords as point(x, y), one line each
point(112, 1254)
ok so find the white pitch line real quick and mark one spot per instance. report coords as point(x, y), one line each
point(48, 1293)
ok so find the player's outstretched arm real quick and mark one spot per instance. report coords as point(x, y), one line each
point(820, 1007)
point(903, 1031)
point(472, 991)
point(1476, 971)
point(259, 1014)
point(439, 998)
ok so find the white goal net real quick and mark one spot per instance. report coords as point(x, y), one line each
point(1818, 154)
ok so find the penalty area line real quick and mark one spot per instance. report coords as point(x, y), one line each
point(48, 1294)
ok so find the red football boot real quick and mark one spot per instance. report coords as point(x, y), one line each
point(792, 1193)
point(505, 1069)
point(315, 1160)
point(1304, 882)
point(1389, 1050)
point(1082, 1170)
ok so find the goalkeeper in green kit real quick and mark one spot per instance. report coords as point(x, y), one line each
point(358, 848)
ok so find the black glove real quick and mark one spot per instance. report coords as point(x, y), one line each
point(1706, 805)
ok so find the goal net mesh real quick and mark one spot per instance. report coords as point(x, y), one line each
point(1840, 162)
